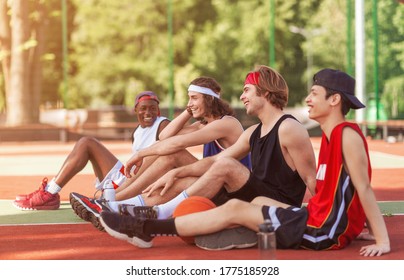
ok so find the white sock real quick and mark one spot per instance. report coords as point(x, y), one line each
point(136, 201)
point(166, 210)
point(52, 187)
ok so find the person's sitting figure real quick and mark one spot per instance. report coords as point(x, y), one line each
point(107, 168)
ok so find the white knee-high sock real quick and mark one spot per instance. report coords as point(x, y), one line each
point(136, 201)
point(166, 210)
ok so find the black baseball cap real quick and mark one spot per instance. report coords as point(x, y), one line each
point(340, 82)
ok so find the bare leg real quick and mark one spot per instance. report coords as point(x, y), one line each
point(176, 189)
point(232, 213)
point(86, 149)
point(148, 161)
point(160, 166)
point(263, 200)
point(226, 172)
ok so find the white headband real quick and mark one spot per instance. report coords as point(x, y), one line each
point(203, 90)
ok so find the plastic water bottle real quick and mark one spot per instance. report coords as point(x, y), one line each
point(108, 192)
point(267, 241)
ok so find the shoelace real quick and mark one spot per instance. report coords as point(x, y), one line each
point(146, 212)
point(141, 211)
point(122, 209)
point(131, 226)
point(102, 203)
point(42, 187)
point(95, 194)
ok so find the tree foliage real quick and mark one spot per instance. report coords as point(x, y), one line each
point(118, 54)
point(391, 57)
point(30, 75)
point(119, 48)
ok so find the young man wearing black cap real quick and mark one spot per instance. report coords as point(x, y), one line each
point(107, 168)
point(334, 216)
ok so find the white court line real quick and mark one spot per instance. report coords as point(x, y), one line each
point(44, 224)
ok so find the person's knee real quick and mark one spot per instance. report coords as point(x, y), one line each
point(177, 159)
point(87, 141)
point(233, 206)
point(87, 144)
point(260, 200)
point(166, 160)
point(225, 166)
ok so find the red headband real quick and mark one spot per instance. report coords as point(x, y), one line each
point(252, 78)
point(148, 97)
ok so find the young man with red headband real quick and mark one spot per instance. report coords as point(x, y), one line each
point(334, 216)
point(107, 168)
point(217, 130)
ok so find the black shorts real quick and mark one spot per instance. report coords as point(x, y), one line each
point(289, 224)
point(251, 189)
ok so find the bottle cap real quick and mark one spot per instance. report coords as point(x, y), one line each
point(266, 226)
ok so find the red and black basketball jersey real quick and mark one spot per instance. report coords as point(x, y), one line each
point(336, 215)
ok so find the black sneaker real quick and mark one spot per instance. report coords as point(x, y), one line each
point(126, 228)
point(239, 237)
point(146, 212)
point(88, 209)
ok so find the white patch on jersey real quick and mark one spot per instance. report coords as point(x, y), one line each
point(321, 172)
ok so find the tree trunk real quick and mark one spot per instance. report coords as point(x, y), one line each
point(19, 100)
point(5, 44)
point(35, 79)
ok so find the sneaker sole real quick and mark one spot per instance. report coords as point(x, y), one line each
point(79, 209)
point(133, 240)
point(84, 213)
point(231, 246)
point(44, 207)
point(96, 223)
point(222, 240)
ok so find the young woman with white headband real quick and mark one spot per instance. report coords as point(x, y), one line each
point(216, 129)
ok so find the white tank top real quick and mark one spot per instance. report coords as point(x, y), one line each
point(144, 137)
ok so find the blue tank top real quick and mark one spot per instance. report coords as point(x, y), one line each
point(213, 148)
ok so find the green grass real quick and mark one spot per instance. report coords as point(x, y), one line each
point(391, 208)
point(13, 216)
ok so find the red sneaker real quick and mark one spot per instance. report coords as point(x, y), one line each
point(28, 196)
point(39, 200)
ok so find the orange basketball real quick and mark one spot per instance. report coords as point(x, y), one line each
point(191, 205)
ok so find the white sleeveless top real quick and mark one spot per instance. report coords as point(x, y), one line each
point(144, 137)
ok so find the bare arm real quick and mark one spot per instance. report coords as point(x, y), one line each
point(178, 126)
point(298, 151)
point(239, 150)
point(166, 181)
point(217, 129)
point(356, 163)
